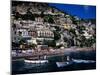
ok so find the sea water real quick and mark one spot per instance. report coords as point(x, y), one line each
point(82, 60)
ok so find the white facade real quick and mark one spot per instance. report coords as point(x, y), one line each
point(24, 32)
point(45, 33)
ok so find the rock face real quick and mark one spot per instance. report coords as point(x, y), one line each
point(50, 26)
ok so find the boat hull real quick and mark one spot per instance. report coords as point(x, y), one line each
point(63, 64)
point(36, 61)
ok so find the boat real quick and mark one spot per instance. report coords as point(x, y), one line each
point(83, 61)
point(64, 63)
point(36, 61)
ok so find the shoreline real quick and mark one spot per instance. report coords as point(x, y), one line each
point(80, 49)
point(55, 52)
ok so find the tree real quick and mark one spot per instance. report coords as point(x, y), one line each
point(68, 41)
point(14, 26)
point(57, 28)
point(17, 15)
point(57, 35)
point(50, 20)
point(22, 41)
point(72, 31)
point(82, 41)
point(32, 45)
point(42, 14)
point(74, 20)
point(50, 43)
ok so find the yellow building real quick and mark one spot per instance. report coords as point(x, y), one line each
point(66, 26)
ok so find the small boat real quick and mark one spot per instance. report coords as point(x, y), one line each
point(83, 61)
point(36, 61)
point(64, 63)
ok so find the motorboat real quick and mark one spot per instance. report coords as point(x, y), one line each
point(64, 63)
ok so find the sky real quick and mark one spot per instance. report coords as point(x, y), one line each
point(82, 11)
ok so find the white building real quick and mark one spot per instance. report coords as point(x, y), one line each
point(22, 32)
point(45, 33)
point(87, 35)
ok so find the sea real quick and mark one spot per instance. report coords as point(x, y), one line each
point(82, 60)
